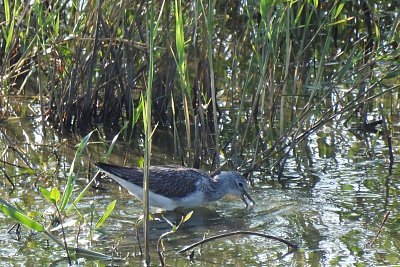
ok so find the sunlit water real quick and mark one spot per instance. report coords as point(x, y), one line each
point(333, 209)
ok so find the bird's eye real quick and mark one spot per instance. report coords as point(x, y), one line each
point(240, 184)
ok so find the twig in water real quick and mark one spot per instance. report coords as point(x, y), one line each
point(8, 178)
point(160, 244)
point(290, 244)
point(16, 150)
point(387, 137)
point(385, 218)
point(137, 224)
point(63, 234)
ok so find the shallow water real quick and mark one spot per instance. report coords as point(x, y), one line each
point(332, 209)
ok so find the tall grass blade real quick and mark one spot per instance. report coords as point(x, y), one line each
point(182, 70)
point(12, 212)
point(152, 33)
point(103, 218)
point(10, 32)
point(73, 172)
point(114, 141)
point(82, 193)
point(7, 11)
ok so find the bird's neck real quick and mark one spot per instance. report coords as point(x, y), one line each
point(219, 188)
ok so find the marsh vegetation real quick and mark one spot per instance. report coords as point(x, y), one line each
point(300, 96)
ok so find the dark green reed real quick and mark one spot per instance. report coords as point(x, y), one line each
point(241, 81)
point(283, 68)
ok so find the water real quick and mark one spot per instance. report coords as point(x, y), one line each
point(333, 209)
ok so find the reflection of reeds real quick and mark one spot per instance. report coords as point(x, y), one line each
point(244, 81)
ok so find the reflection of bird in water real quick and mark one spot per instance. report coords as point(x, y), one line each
point(172, 188)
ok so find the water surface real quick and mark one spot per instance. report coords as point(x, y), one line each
point(332, 209)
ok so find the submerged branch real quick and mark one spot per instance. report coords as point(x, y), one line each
point(290, 244)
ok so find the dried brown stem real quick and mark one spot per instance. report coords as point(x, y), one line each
point(290, 244)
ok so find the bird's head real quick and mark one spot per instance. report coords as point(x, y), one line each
point(236, 185)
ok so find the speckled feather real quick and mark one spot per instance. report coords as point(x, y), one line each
point(161, 178)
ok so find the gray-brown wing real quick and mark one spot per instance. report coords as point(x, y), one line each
point(166, 181)
point(172, 182)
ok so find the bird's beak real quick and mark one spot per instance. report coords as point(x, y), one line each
point(248, 200)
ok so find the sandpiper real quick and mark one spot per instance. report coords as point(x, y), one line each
point(179, 187)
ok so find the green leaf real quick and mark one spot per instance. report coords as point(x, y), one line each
point(10, 211)
point(346, 187)
point(45, 193)
point(138, 112)
point(7, 11)
point(339, 9)
point(109, 209)
point(27, 171)
point(265, 6)
point(140, 162)
point(187, 217)
point(10, 34)
point(52, 196)
point(32, 214)
point(299, 13)
point(55, 194)
point(57, 25)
